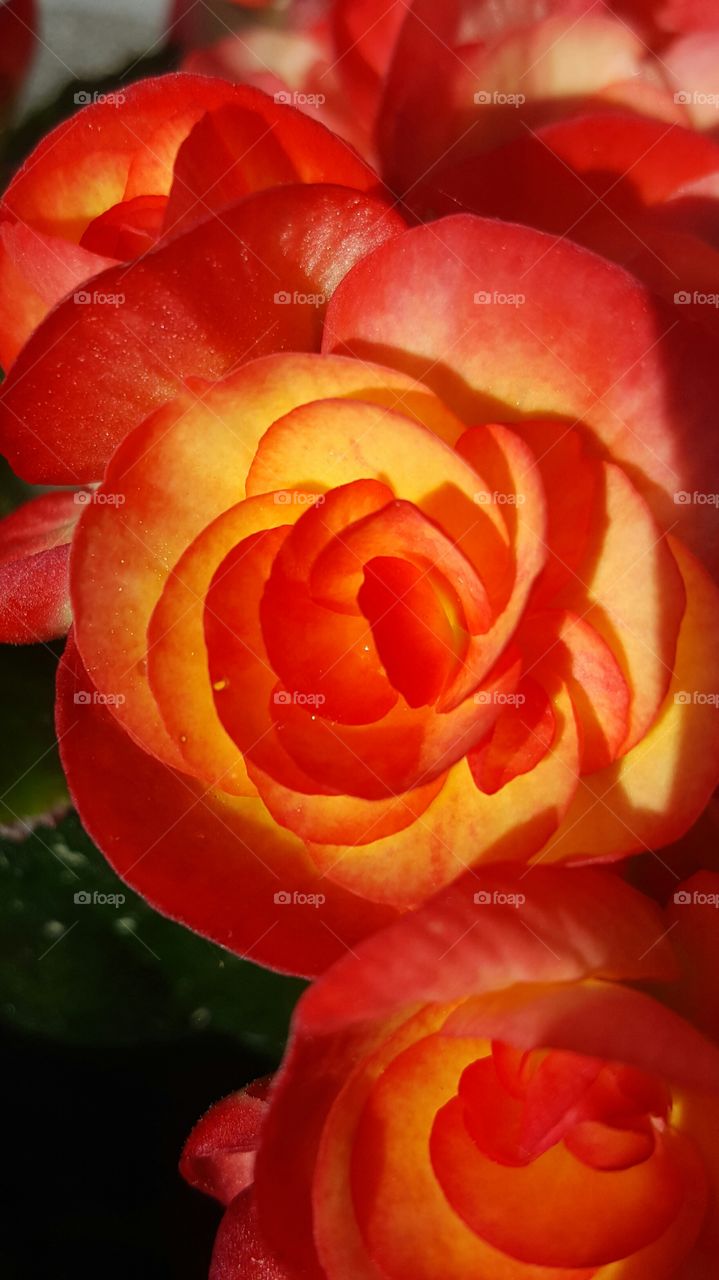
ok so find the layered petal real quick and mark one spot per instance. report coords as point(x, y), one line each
point(151, 518)
point(507, 325)
point(360, 1018)
point(215, 863)
point(660, 786)
point(276, 258)
point(251, 143)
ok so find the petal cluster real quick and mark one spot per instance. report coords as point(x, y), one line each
point(371, 364)
point(384, 642)
point(482, 1089)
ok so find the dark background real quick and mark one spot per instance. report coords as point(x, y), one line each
point(118, 1029)
point(90, 1141)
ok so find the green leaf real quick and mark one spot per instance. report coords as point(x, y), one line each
point(13, 490)
point(31, 777)
point(83, 959)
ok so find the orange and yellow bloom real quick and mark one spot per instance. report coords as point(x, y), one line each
point(487, 1088)
point(389, 572)
point(363, 620)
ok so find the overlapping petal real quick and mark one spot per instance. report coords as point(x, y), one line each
point(403, 643)
point(440, 1041)
point(145, 329)
point(135, 166)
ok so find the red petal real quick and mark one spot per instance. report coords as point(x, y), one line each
point(692, 911)
point(34, 578)
point(127, 229)
point(240, 1252)
point(602, 1147)
point(550, 354)
point(365, 32)
point(342, 820)
point(521, 738)
point(219, 1155)
point(36, 272)
point(250, 144)
point(598, 1020)
point(337, 664)
point(411, 629)
point(554, 641)
point(607, 1216)
point(178, 317)
point(628, 188)
point(110, 151)
point(418, 95)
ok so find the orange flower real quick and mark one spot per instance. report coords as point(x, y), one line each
point(349, 642)
point(482, 1090)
